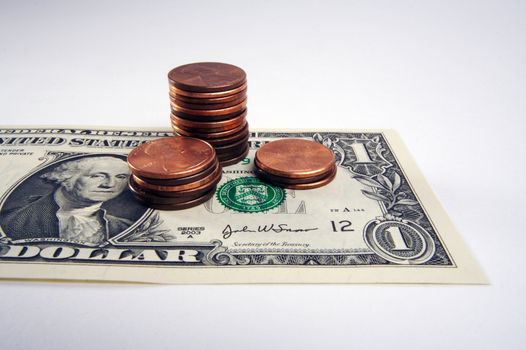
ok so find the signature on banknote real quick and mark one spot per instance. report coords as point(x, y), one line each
point(276, 228)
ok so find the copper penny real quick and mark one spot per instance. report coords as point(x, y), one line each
point(308, 186)
point(235, 160)
point(295, 158)
point(232, 146)
point(232, 152)
point(174, 188)
point(229, 139)
point(199, 118)
point(178, 191)
point(178, 206)
point(210, 106)
point(175, 91)
point(208, 135)
point(148, 196)
point(210, 112)
point(291, 181)
point(205, 101)
point(207, 131)
point(207, 76)
point(171, 157)
point(157, 196)
point(209, 126)
point(182, 180)
point(173, 185)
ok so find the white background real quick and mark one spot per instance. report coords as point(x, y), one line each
point(448, 75)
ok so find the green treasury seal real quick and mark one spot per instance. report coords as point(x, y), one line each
point(250, 195)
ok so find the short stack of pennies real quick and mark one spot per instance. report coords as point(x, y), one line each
point(173, 173)
point(209, 101)
point(295, 163)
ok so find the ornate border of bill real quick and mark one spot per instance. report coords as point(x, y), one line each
point(377, 222)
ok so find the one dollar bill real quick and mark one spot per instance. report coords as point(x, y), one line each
point(67, 214)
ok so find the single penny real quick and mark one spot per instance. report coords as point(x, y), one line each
point(182, 180)
point(233, 152)
point(148, 196)
point(208, 135)
point(207, 77)
point(180, 189)
point(176, 91)
point(205, 101)
point(207, 131)
point(176, 191)
point(180, 205)
point(171, 157)
point(236, 159)
point(295, 158)
point(286, 180)
point(210, 112)
point(200, 118)
point(229, 139)
point(307, 186)
point(209, 106)
point(205, 126)
point(232, 146)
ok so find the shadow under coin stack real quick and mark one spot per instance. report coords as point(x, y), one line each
point(173, 173)
point(295, 163)
point(209, 101)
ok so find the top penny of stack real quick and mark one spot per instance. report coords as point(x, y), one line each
point(295, 163)
point(208, 101)
point(174, 172)
point(207, 77)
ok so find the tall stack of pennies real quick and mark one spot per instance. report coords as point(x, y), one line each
point(174, 172)
point(209, 101)
point(295, 163)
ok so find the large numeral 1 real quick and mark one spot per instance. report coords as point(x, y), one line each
point(397, 237)
point(361, 153)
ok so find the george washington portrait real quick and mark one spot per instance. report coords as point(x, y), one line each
point(82, 200)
